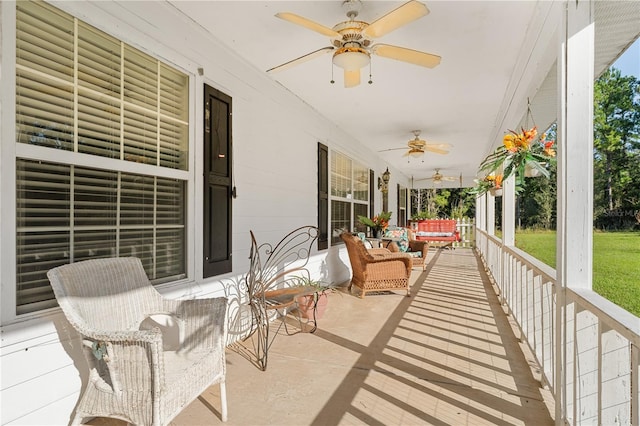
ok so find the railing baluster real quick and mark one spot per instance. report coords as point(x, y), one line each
point(635, 382)
point(599, 383)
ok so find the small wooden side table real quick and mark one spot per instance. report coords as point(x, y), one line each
point(386, 241)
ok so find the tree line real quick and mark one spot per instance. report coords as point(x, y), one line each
point(616, 162)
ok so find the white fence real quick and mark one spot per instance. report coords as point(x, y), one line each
point(588, 349)
point(467, 229)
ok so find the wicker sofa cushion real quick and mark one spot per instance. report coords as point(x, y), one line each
point(433, 234)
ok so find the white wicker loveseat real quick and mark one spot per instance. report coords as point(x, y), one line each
point(136, 375)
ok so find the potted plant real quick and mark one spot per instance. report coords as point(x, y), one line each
point(519, 152)
point(378, 223)
point(313, 299)
point(490, 183)
point(313, 306)
point(425, 214)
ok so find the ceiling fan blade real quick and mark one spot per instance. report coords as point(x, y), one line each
point(439, 145)
point(351, 78)
point(301, 59)
point(406, 55)
point(392, 149)
point(404, 14)
point(436, 150)
point(309, 24)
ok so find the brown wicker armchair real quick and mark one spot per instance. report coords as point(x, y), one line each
point(417, 249)
point(376, 269)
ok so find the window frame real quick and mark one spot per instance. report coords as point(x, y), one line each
point(402, 205)
point(353, 224)
point(11, 151)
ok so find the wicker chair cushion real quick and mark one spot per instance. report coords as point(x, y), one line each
point(401, 233)
point(363, 237)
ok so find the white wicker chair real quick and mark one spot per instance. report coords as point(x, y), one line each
point(136, 375)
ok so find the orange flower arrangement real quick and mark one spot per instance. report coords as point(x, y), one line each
point(515, 141)
point(519, 149)
point(379, 222)
point(496, 181)
point(488, 183)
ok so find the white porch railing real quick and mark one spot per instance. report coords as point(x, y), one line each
point(467, 229)
point(590, 358)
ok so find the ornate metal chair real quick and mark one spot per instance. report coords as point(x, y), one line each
point(277, 276)
point(136, 374)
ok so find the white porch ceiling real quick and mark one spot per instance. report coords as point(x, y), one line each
point(462, 102)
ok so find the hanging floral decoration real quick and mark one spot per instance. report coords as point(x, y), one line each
point(519, 151)
point(488, 183)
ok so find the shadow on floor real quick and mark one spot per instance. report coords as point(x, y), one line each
point(447, 355)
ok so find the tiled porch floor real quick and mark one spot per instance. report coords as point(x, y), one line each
point(444, 356)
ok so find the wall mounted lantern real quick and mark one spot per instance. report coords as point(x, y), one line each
point(383, 186)
point(383, 183)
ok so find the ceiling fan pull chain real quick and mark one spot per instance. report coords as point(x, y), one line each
point(370, 80)
point(332, 81)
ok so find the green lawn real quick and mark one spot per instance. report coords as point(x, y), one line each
point(616, 262)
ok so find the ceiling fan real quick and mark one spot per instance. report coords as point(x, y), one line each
point(351, 41)
point(438, 178)
point(416, 146)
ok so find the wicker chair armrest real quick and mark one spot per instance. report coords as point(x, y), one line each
point(203, 321)
point(378, 251)
point(421, 246)
point(393, 247)
point(383, 266)
point(194, 309)
point(404, 257)
point(123, 336)
point(132, 359)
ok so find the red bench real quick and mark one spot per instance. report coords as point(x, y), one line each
point(438, 230)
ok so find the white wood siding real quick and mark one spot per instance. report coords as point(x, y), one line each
point(275, 139)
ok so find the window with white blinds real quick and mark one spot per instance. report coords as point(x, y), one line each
point(402, 206)
point(81, 90)
point(349, 195)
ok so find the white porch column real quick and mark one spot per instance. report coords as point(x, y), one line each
point(575, 148)
point(574, 258)
point(509, 211)
point(481, 213)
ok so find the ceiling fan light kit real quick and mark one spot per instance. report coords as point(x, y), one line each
point(417, 147)
point(352, 39)
point(438, 178)
point(351, 58)
point(415, 153)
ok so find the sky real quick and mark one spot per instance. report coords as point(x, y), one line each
point(629, 62)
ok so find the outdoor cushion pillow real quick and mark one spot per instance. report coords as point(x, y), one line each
point(433, 234)
point(363, 237)
point(401, 233)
